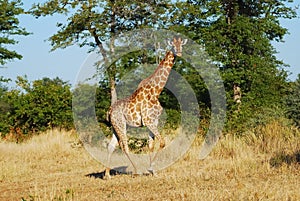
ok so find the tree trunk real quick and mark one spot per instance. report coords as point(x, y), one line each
point(111, 72)
point(112, 69)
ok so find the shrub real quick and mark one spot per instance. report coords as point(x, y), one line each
point(37, 106)
point(293, 102)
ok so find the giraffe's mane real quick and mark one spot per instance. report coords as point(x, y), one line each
point(154, 73)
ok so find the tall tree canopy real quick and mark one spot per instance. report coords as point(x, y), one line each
point(9, 26)
point(238, 34)
point(91, 22)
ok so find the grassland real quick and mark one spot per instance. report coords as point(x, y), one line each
point(262, 165)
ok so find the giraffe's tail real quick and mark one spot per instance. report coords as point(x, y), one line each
point(108, 114)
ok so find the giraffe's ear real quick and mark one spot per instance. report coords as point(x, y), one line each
point(184, 42)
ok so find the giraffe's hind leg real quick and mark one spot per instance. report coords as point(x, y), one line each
point(119, 125)
point(110, 149)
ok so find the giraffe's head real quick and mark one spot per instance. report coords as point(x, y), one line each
point(177, 44)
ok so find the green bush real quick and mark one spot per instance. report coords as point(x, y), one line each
point(36, 106)
point(293, 102)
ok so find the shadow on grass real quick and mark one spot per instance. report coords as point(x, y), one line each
point(283, 158)
point(113, 172)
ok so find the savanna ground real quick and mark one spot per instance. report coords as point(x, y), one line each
point(262, 165)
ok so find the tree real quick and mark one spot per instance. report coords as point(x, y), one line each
point(39, 105)
point(9, 26)
point(293, 102)
point(237, 34)
point(4, 107)
point(92, 22)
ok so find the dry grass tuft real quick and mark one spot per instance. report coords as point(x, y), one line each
point(262, 165)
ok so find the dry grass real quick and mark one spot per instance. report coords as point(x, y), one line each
point(263, 165)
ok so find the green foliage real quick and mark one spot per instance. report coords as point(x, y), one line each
point(92, 23)
point(237, 35)
point(83, 101)
point(36, 106)
point(103, 19)
point(102, 101)
point(9, 25)
point(4, 108)
point(293, 102)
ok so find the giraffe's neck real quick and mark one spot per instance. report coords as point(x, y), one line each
point(160, 76)
point(155, 83)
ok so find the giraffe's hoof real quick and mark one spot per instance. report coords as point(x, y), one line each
point(151, 171)
point(107, 177)
point(107, 174)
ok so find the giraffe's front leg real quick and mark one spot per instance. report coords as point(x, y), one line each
point(154, 134)
point(151, 154)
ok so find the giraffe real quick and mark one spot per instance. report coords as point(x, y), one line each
point(142, 108)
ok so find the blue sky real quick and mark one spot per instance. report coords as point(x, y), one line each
point(39, 62)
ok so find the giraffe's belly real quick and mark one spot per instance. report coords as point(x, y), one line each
point(134, 120)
